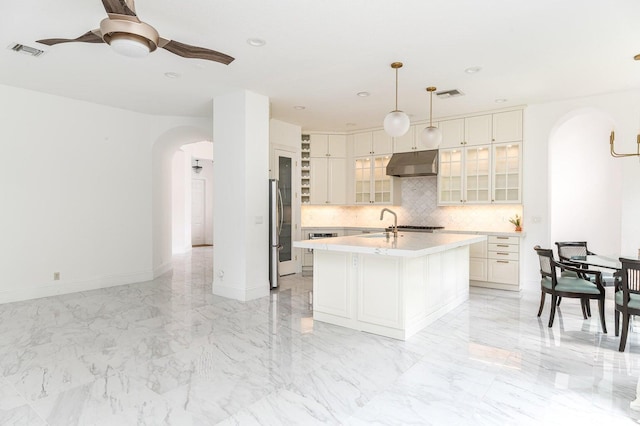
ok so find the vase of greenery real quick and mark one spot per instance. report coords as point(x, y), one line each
point(516, 221)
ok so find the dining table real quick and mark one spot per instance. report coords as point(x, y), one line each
point(613, 263)
point(599, 261)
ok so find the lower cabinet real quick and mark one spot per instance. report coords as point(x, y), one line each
point(478, 261)
point(496, 263)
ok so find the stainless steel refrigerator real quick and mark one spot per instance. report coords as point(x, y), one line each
point(275, 227)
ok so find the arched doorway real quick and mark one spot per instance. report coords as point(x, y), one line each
point(584, 182)
point(162, 181)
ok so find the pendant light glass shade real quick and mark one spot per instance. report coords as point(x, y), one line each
point(431, 136)
point(396, 123)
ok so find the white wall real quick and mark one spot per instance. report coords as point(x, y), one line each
point(584, 188)
point(540, 121)
point(241, 172)
point(181, 202)
point(76, 190)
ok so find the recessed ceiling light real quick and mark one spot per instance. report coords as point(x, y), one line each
point(256, 42)
point(501, 101)
point(299, 107)
point(172, 75)
point(472, 70)
point(363, 94)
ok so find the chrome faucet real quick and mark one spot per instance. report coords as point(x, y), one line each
point(395, 220)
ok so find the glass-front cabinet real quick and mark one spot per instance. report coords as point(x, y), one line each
point(372, 185)
point(507, 158)
point(465, 175)
point(450, 176)
point(477, 188)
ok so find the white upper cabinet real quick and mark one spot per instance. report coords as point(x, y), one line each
point(477, 130)
point(406, 142)
point(362, 144)
point(412, 140)
point(482, 129)
point(382, 143)
point(372, 143)
point(328, 181)
point(507, 126)
point(328, 146)
point(452, 133)
point(337, 146)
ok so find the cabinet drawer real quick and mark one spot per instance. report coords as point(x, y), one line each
point(503, 271)
point(511, 248)
point(495, 239)
point(503, 255)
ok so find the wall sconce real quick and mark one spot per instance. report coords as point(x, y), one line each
point(617, 155)
point(197, 168)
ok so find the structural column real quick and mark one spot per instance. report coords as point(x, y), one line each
point(241, 173)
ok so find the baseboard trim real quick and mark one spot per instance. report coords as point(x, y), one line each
point(161, 270)
point(55, 288)
point(237, 293)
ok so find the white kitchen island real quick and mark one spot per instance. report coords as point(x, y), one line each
point(389, 286)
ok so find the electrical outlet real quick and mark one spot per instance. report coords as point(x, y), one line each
point(56, 276)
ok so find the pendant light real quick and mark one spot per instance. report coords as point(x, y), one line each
point(197, 168)
point(431, 136)
point(396, 123)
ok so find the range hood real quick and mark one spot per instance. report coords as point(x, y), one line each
point(417, 163)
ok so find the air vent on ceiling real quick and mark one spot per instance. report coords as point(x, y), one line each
point(17, 47)
point(449, 93)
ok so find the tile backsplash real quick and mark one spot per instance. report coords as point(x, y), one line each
point(419, 207)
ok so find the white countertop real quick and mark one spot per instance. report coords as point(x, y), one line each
point(407, 244)
point(520, 234)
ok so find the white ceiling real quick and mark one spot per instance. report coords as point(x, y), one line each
point(320, 53)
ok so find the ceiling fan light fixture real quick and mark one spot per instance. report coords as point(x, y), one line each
point(396, 123)
point(130, 45)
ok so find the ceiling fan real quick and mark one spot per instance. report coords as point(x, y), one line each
point(128, 35)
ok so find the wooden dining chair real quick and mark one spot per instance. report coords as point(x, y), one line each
point(627, 297)
point(585, 285)
point(569, 249)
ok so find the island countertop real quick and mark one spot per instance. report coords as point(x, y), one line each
point(407, 244)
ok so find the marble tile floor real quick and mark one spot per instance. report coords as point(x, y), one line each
point(168, 352)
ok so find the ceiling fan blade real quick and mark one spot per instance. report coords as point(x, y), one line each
point(120, 7)
point(188, 51)
point(88, 37)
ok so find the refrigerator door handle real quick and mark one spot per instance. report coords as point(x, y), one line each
point(280, 213)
